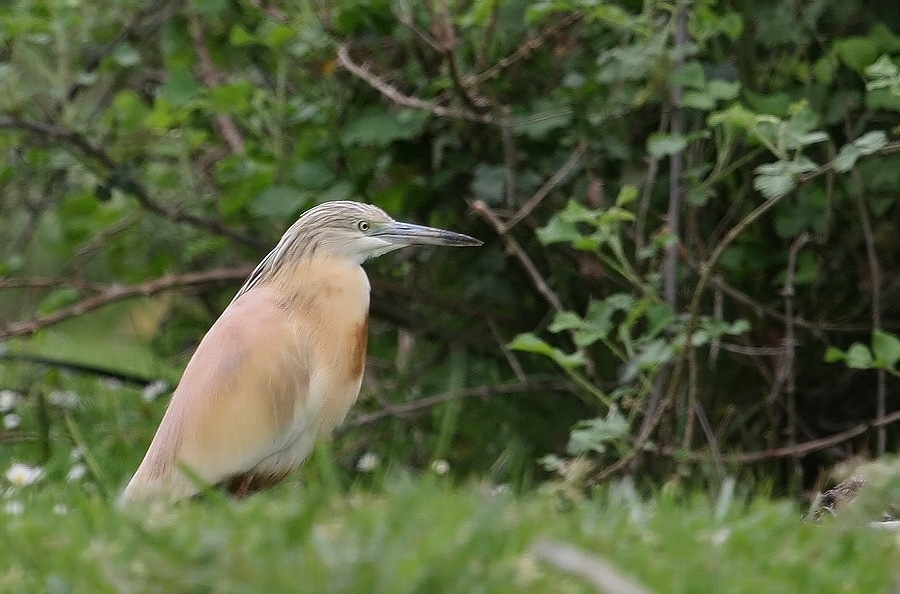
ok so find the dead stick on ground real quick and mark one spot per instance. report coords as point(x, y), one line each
point(599, 572)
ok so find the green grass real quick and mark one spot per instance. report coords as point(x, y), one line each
point(421, 535)
point(330, 528)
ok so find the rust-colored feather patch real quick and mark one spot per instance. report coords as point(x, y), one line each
point(359, 342)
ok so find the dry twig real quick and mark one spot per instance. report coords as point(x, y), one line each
point(113, 293)
point(211, 77)
point(130, 186)
point(596, 570)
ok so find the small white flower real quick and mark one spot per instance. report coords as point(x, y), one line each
point(8, 400)
point(368, 462)
point(719, 537)
point(77, 472)
point(14, 508)
point(498, 490)
point(440, 467)
point(11, 421)
point(112, 383)
point(22, 475)
point(60, 510)
point(76, 454)
point(154, 390)
point(63, 398)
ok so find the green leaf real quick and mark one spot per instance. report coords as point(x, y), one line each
point(313, 175)
point(379, 127)
point(723, 90)
point(882, 72)
point(886, 348)
point(57, 299)
point(856, 52)
point(125, 55)
point(834, 354)
point(690, 75)
point(778, 178)
point(698, 100)
point(209, 8)
point(559, 230)
point(240, 37)
point(824, 68)
point(489, 182)
point(846, 158)
point(180, 88)
point(230, 98)
point(592, 435)
point(868, 143)
point(279, 203)
point(275, 36)
point(663, 145)
point(627, 195)
point(859, 356)
point(736, 116)
point(530, 343)
point(772, 186)
point(342, 190)
point(809, 138)
point(871, 142)
point(565, 320)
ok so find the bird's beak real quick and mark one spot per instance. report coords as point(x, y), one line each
point(408, 234)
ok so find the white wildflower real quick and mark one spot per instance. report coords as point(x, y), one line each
point(60, 510)
point(76, 454)
point(22, 475)
point(14, 508)
point(719, 537)
point(112, 383)
point(154, 390)
point(8, 400)
point(63, 398)
point(440, 467)
point(77, 472)
point(498, 490)
point(368, 462)
point(11, 421)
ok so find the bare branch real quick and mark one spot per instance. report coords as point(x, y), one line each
point(211, 77)
point(548, 186)
point(530, 269)
point(527, 48)
point(131, 186)
point(800, 449)
point(114, 293)
point(390, 92)
point(421, 405)
point(145, 20)
point(513, 245)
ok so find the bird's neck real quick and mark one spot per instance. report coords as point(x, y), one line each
point(336, 281)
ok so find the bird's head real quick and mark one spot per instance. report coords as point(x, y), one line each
point(361, 231)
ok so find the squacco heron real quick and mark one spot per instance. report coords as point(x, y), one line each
point(284, 362)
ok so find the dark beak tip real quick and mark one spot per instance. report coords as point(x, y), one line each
point(465, 241)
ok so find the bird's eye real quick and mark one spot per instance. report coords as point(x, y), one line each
point(363, 226)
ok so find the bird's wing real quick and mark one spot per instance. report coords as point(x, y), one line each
point(237, 402)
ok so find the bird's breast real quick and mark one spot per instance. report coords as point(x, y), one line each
point(330, 314)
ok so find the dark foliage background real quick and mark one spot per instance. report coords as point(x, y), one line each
point(689, 210)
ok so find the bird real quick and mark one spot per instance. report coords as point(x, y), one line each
point(283, 364)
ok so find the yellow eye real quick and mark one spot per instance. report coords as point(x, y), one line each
point(363, 226)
